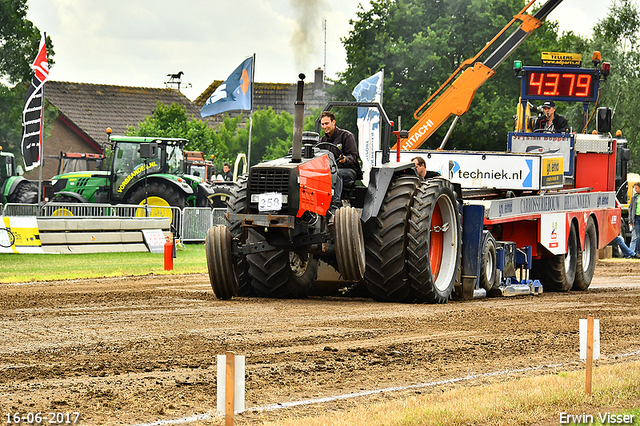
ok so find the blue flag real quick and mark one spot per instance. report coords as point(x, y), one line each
point(233, 94)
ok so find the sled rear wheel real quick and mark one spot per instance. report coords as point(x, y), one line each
point(586, 259)
point(558, 273)
point(488, 266)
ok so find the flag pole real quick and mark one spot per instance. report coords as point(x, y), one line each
point(253, 72)
point(41, 149)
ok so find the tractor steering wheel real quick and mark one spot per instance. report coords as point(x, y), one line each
point(328, 143)
point(332, 145)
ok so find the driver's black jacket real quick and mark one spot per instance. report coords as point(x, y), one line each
point(346, 145)
point(558, 125)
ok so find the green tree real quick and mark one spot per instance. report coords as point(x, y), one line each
point(19, 42)
point(171, 121)
point(616, 37)
point(420, 43)
point(271, 133)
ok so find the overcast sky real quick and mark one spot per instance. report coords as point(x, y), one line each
point(139, 42)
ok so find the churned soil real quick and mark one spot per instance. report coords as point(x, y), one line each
point(142, 349)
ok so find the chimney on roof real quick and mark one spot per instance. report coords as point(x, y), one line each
point(318, 80)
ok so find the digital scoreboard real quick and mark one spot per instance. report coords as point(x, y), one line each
point(560, 83)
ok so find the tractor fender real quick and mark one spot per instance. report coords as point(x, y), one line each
point(79, 198)
point(205, 190)
point(12, 184)
point(182, 186)
point(379, 180)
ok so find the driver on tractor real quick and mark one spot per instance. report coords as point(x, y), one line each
point(343, 146)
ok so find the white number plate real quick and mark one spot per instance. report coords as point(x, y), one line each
point(271, 201)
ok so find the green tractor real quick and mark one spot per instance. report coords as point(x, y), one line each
point(14, 188)
point(137, 170)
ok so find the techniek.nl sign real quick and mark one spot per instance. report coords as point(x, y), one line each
point(477, 170)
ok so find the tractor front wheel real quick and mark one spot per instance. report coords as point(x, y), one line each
point(219, 262)
point(488, 266)
point(349, 244)
point(221, 193)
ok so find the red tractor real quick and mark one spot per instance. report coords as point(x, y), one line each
point(280, 226)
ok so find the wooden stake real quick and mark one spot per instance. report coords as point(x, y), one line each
point(229, 389)
point(589, 354)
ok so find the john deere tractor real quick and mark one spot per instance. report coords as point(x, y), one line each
point(14, 188)
point(138, 170)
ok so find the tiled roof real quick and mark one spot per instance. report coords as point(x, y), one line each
point(94, 107)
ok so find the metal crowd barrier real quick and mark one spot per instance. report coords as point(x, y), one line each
point(190, 224)
point(90, 210)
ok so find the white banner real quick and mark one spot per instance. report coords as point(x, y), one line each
point(369, 90)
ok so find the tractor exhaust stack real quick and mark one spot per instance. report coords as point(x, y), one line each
point(298, 120)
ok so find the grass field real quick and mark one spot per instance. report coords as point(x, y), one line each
point(529, 401)
point(44, 267)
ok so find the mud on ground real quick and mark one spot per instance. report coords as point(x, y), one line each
point(138, 350)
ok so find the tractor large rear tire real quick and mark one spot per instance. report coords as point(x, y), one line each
point(237, 203)
point(558, 273)
point(221, 194)
point(158, 194)
point(586, 264)
point(434, 242)
point(25, 193)
point(385, 241)
point(220, 262)
point(282, 274)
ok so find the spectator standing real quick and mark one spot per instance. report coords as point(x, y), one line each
point(228, 175)
point(634, 217)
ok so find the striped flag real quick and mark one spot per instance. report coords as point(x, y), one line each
point(32, 115)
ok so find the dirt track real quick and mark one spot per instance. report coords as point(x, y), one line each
point(137, 350)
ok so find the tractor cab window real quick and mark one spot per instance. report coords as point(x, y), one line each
point(197, 170)
point(129, 166)
point(175, 160)
point(125, 159)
